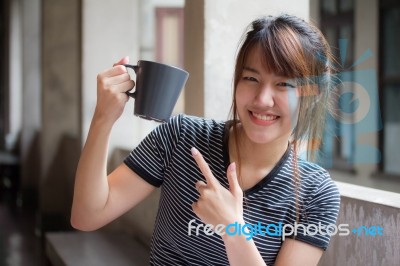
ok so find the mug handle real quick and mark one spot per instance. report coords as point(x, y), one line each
point(135, 68)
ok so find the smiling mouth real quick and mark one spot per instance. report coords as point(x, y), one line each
point(264, 117)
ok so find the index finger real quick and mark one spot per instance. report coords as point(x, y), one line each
point(123, 60)
point(114, 71)
point(204, 168)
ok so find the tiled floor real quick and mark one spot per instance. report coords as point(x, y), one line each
point(18, 244)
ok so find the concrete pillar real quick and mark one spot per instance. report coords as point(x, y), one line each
point(31, 100)
point(194, 57)
point(15, 74)
point(61, 108)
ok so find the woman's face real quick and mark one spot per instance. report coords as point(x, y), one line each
point(267, 104)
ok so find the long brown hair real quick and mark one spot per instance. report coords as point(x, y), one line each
point(293, 48)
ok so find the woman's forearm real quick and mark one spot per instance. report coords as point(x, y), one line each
point(91, 185)
point(241, 251)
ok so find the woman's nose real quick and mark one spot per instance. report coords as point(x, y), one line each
point(264, 97)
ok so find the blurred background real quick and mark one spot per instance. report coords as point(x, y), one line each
point(52, 50)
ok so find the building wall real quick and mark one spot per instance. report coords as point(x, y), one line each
point(15, 66)
point(109, 32)
point(60, 109)
point(224, 25)
point(366, 207)
point(31, 94)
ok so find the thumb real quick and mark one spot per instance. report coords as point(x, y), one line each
point(123, 60)
point(234, 186)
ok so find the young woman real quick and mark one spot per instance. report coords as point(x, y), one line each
point(215, 175)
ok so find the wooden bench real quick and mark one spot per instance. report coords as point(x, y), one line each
point(94, 248)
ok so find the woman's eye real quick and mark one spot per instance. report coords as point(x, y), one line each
point(287, 85)
point(250, 79)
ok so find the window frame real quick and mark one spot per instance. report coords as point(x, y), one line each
point(383, 81)
point(336, 22)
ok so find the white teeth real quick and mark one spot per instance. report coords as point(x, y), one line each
point(265, 117)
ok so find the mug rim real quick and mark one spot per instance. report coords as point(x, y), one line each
point(158, 63)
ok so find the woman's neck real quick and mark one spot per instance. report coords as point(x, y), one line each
point(255, 155)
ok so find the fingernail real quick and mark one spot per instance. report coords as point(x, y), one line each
point(194, 151)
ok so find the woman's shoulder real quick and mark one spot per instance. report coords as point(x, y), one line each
point(315, 177)
point(311, 168)
point(195, 123)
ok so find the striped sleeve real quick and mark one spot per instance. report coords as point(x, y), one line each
point(318, 217)
point(151, 157)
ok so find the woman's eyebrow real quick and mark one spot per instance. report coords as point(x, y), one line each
point(251, 70)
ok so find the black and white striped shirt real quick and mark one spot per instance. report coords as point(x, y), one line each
point(164, 159)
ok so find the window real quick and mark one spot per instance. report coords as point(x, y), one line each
point(169, 42)
point(169, 47)
point(389, 79)
point(337, 24)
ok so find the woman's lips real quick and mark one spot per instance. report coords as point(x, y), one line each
point(263, 119)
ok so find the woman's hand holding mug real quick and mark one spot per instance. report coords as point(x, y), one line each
point(112, 85)
point(158, 88)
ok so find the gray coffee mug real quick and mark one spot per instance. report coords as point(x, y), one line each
point(157, 89)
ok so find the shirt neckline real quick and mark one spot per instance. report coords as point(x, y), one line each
point(268, 178)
